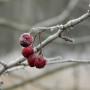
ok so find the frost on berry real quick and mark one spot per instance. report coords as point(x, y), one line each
point(40, 62)
point(31, 60)
point(26, 40)
point(27, 51)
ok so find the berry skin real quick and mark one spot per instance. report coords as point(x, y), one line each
point(31, 59)
point(40, 62)
point(26, 40)
point(27, 51)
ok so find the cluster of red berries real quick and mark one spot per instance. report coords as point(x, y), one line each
point(26, 41)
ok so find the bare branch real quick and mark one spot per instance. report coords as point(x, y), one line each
point(65, 61)
point(12, 64)
point(73, 22)
point(78, 40)
point(41, 29)
point(62, 29)
point(48, 73)
point(53, 58)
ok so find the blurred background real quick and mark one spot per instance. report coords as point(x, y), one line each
point(18, 17)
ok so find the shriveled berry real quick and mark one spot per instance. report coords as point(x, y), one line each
point(40, 62)
point(31, 59)
point(26, 40)
point(27, 51)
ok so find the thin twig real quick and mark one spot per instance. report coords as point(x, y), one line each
point(65, 61)
point(54, 60)
point(78, 40)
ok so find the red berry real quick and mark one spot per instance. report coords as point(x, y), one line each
point(26, 40)
point(27, 51)
point(40, 62)
point(31, 59)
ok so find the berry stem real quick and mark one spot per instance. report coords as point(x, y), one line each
point(34, 39)
point(41, 53)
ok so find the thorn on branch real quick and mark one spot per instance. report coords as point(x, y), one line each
point(67, 38)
